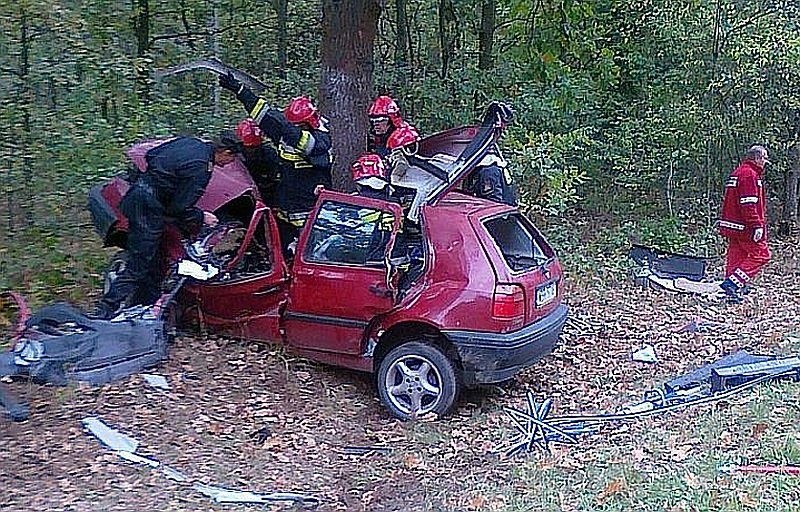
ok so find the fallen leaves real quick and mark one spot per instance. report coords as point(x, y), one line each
point(680, 453)
point(746, 500)
point(612, 488)
point(692, 480)
point(758, 430)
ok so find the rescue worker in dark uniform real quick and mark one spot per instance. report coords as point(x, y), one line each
point(304, 153)
point(384, 119)
point(491, 180)
point(260, 159)
point(178, 172)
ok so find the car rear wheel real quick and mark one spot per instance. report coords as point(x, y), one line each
point(415, 379)
point(115, 266)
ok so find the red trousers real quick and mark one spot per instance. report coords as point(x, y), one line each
point(744, 259)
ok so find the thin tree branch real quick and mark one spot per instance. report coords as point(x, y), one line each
point(205, 33)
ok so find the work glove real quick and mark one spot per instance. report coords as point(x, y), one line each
point(506, 111)
point(498, 109)
point(231, 83)
point(758, 234)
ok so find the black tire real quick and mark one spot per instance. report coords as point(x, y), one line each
point(415, 379)
point(115, 265)
point(55, 314)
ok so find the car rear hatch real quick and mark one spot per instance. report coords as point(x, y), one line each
point(443, 159)
point(529, 276)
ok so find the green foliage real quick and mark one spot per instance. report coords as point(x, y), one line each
point(547, 171)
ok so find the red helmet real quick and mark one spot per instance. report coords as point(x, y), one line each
point(249, 133)
point(367, 166)
point(385, 106)
point(302, 110)
point(405, 134)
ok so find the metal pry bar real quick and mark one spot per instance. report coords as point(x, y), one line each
point(215, 66)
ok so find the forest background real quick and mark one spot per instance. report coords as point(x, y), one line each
point(629, 115)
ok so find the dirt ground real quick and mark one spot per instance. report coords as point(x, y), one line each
point(224, 392)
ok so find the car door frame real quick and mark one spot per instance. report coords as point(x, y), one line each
point(315, 322)
point(249, 307)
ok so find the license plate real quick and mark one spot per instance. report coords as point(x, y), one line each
point(546, 293)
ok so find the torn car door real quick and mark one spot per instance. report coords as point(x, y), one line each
point(246, 300)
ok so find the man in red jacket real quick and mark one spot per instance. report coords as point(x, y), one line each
point(744, 223)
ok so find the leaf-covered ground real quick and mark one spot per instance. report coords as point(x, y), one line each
point(225, 391)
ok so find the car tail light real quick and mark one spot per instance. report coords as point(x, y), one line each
point(508, 302)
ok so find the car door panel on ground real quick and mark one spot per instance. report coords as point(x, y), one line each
point(339, 278)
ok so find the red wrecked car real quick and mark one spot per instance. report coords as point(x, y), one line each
point(456, 291)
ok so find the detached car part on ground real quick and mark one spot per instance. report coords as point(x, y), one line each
point(58, 343)
point(449, 291)
point(724, 378)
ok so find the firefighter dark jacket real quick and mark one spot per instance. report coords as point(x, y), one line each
point(304, 157)
point(178, 172)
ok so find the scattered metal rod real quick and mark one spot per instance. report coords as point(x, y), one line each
point(125, 447)
point(536, 430)
point(600, 418)
point(23, 314)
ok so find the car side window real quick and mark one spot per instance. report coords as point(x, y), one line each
point(350, 235)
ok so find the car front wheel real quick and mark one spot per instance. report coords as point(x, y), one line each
point(415, 379)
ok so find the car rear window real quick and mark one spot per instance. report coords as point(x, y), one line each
point(520, 243)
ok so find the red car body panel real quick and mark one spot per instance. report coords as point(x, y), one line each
point(227, 183)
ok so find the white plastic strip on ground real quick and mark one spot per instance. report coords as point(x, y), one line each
point(125, 447)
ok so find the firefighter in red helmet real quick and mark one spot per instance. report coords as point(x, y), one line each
point(370, 175)
point(303, 146)
point(260, 159)
point(384, 120)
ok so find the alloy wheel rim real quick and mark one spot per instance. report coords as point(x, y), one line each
point(414, 385)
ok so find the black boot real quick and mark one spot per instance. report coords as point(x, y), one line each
point(732, 295)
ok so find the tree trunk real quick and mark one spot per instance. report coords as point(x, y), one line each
point(27, 105)
point(448, 26)
point(402, 44)
point(282, 8)
point(349, 29)
point(789, 222)
point(141, 28)
point(217, 53)
point(486, 38)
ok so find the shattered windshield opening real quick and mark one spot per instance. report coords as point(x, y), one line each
point(520, 243)
point(256, 258)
